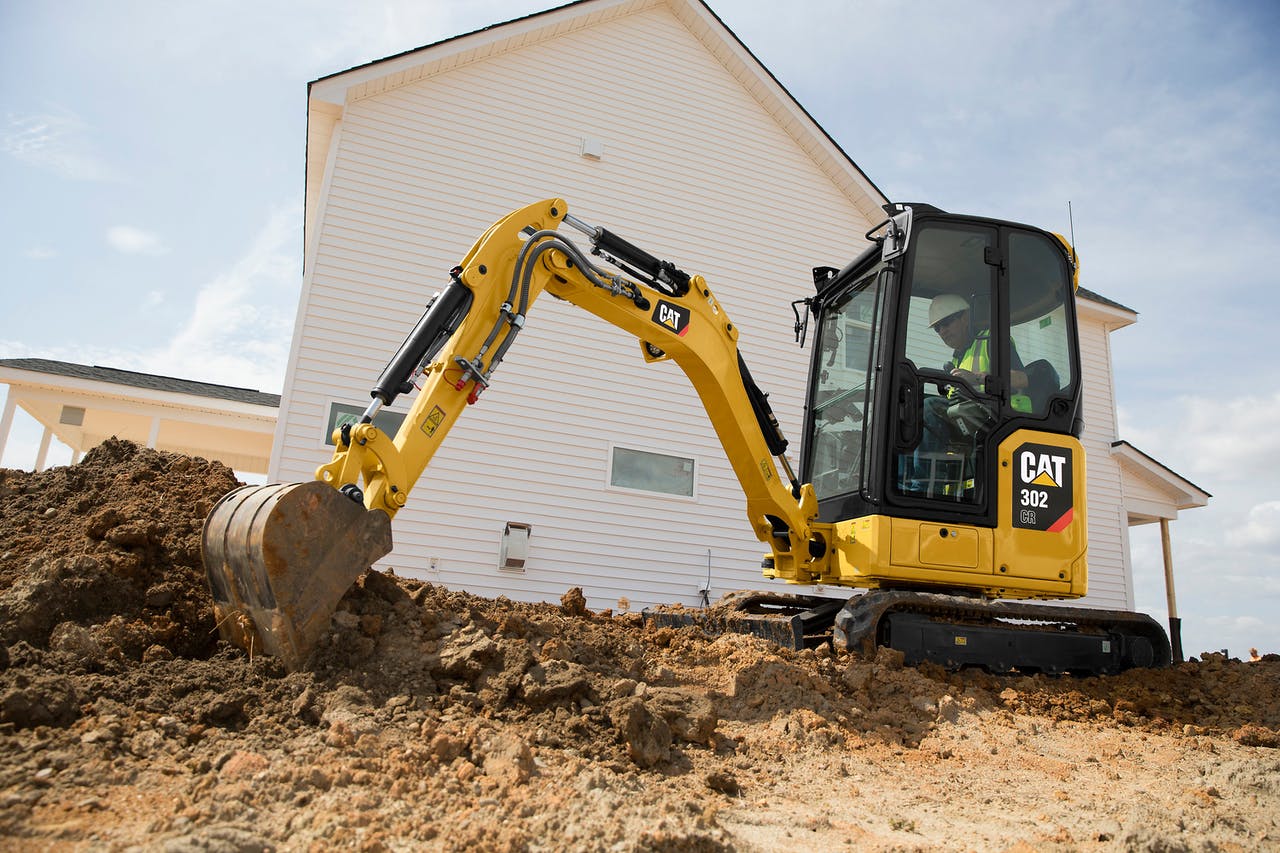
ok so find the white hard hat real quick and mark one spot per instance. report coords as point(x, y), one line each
point(944, 305)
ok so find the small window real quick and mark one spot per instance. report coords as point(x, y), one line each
point(857, 342)
point(341, 414)
point(652, 472)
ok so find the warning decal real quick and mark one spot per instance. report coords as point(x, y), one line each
point(433, 420)
point(671, 317)
point(1042, 488)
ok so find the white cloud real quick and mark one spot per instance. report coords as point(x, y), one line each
point(134, 241)
point(241, 326)
point(1246, 631)
point(1247, 622)
point(1218, 437)
point(1227, 554)
point(39, 253)
point(57, 142)
point(1261, 527)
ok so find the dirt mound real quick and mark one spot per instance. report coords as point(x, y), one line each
point(102, 559)
point(433, 719)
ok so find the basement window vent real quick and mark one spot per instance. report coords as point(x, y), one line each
point(514, 550)
point(71, 416)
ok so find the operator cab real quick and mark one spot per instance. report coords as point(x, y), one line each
point(947, 335)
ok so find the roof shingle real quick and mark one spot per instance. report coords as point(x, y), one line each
point(149, 381)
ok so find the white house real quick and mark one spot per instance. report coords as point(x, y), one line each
point(650, 118)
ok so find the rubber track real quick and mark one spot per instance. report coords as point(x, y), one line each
point(857, 625)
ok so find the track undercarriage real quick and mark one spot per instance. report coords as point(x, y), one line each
point(954, 631)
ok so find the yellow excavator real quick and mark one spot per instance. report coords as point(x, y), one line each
point(941, 471)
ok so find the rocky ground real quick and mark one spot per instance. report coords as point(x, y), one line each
point(431, 719)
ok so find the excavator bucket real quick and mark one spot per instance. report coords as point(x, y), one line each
point(279, 559)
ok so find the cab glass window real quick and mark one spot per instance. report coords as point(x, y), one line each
point(842, 389)
point(951, 281)
point(1039, 332)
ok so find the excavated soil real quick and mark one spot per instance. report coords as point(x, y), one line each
point(430, 719)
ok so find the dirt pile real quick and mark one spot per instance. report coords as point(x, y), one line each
point(431, 719)
point(108, 553)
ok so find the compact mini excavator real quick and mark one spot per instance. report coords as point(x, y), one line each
point(941, 472)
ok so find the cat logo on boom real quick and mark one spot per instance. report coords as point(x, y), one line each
point(671, 317)
point(1042, 495)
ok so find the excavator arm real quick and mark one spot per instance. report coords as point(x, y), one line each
point(280, 557)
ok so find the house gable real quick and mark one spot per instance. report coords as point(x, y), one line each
point(329, 95)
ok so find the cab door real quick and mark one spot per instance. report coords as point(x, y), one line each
point(950, 363)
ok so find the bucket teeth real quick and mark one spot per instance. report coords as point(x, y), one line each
point(280, 557)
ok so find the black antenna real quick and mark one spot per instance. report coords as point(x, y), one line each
point(1075, 260)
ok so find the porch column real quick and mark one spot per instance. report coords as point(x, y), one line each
point(155, 433)
point(6, 420)
point(1175, 624)
point(43, 454)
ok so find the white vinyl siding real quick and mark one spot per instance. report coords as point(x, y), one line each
point(694, 170)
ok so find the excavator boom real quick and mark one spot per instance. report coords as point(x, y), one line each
point(280, 557)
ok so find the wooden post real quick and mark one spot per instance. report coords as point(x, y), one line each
point(43, 455)
point(1175, 624)
point(6, 420)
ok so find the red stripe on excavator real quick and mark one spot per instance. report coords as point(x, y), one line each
point(1061, 524)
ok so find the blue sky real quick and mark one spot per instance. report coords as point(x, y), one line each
point(151, 174)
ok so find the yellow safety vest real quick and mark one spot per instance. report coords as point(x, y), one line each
point(977, 358)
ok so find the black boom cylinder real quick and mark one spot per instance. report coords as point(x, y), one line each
point(441, 319)
point(769, 426)
point(629, 253)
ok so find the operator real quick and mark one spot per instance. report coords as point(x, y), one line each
point(950, 317)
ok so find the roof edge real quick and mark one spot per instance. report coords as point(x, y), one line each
point(333, 89)
point(884, 199)
point(1160, 471)
point(1102, 300)
point(136, 379)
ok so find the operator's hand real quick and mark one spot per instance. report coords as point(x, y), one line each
point(974, 379)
